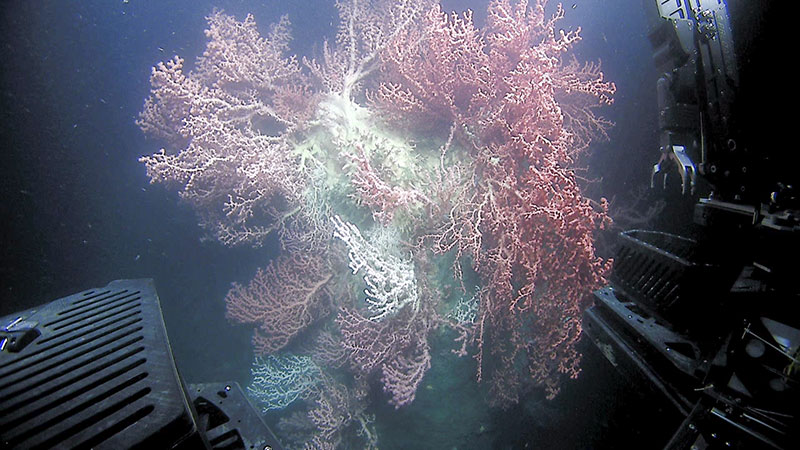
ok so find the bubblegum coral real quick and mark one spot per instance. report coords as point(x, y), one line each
point(526, 227)
point(375, 193)
point(398, 347)
point(444, 142)
point(226, 126)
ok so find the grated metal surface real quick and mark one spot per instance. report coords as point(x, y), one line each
point(100, 374)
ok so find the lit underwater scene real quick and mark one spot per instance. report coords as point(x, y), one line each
point(421, 175)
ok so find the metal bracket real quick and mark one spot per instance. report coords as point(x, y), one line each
point(686, 168)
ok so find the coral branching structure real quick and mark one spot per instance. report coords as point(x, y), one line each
point(413, 149)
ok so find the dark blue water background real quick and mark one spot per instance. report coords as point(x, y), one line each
point(78, 211)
